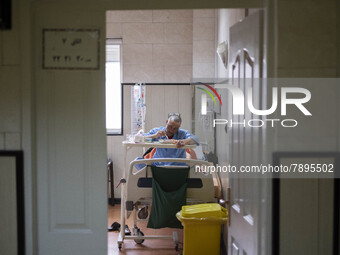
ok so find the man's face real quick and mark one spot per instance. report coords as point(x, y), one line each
point(172, 127)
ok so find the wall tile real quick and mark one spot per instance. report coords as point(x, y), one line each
point(204, 29)
point(114, 16)
point(9, 99)
point(129, 16)
point(172, 16)
point(204, 13)
point(178, 74)
point(12, 141)
point(137, 54)
point(143, 33)
point(203, 70)
point(114, 30)
point(172, 54)
point(204, 51)
point(178, 33)
point(137, 16)
point(142, 73)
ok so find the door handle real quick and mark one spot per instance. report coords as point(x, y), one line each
point(226, 204)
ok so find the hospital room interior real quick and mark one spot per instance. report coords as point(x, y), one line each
point(124, 127)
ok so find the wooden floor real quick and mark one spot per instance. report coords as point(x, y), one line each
point(161, 247)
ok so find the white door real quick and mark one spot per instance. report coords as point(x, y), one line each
point(248, 195)
point(70, 142)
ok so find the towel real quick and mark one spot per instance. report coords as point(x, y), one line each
point(169, 186)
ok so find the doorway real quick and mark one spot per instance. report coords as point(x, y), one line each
point(70, 156)
point(150, 41)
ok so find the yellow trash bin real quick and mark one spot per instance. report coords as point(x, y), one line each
point(202, 228)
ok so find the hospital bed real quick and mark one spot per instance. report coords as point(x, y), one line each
point(136, 193)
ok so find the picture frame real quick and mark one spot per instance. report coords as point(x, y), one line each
point(70, 49)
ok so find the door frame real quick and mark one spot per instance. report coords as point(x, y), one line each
point(277, 156)
point(28, 116)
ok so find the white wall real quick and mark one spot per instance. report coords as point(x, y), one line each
point(15, 102)
point(307, 47)
point(160, 100)
point(10, 85)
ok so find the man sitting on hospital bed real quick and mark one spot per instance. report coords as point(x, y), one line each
point(172, 130)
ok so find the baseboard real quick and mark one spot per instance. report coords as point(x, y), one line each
point(115, 201)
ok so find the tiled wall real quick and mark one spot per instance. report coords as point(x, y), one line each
point(204, 43)
point(204, 37)
point(10, 88)
point(157, 44)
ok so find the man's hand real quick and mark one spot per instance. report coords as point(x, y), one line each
point(180, 143)
point(183, 142)
point(160, 133)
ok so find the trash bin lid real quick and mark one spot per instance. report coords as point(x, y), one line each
point(210, 210)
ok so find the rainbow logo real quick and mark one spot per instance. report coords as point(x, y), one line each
point(204, 99)
point(209, 93)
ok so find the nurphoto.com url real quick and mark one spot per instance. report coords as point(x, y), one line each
point(265, 169)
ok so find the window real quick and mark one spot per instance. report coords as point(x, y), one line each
point(113, 87)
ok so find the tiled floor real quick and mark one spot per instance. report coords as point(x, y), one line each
point(161, 247)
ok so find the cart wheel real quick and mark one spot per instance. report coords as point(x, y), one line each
point(137, 232)
point(176, 247)
point(143, 212)
point(119, 246)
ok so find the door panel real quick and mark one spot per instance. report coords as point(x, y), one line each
point(71, 147)
point(246, 147)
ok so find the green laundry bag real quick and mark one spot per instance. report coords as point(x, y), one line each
point(169, 186)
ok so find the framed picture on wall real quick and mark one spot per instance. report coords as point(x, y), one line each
point(72, 49)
